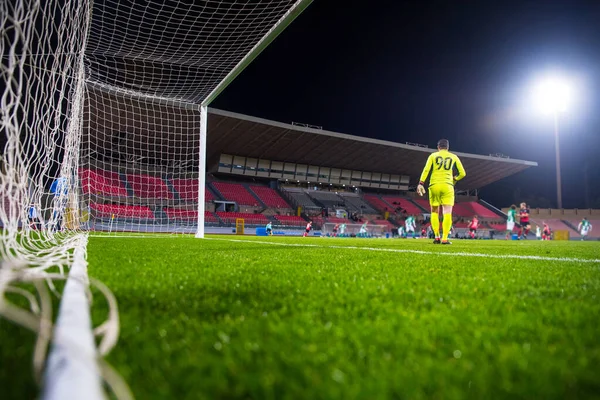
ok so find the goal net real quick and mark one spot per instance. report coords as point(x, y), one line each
point(142, 161)
point(354, 230)
point(104, 123)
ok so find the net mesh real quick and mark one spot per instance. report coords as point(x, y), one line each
point(103, 107)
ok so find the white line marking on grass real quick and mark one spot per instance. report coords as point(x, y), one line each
point(424, 252)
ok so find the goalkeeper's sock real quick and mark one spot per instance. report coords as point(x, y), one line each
point(447, 225)
point(435, 224)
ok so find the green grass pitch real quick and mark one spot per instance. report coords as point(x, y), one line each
point(319, 318)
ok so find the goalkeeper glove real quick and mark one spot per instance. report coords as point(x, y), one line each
point(420, 189)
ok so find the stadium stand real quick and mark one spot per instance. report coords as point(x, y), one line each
point(289, 220)
point(301, 198)
point(121, 211)
point(236, 192)
point(355, 203)
point(327, 199)
point(149, 187)
point(385, 222)
point(102, 182)
point(474, 208)
point(249, 218)
point(378, 203)
point(188, 190)
point(336, 220)
point(178, 214)
point(269, 197)
point(404, 203)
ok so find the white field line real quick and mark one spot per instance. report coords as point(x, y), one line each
point(424, 252)
point(72, 371)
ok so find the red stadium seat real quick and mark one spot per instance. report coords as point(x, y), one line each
point(149, 187)
point(404, 203)
point(177, 214)
point(378, 204)
point(121, 211)
point(188, 190)
point(101, 182)
point(270, 197)
point(290, 220)
point(235, 192)
point(249, 218)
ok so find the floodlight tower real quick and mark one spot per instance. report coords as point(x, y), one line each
point(553, 95)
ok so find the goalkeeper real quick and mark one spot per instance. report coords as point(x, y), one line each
point(442, 165)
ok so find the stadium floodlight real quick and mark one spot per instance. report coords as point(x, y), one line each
point(552, 95)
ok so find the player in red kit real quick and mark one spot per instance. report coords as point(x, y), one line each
point(524, 219)
point(546, 233)
point(308, 228)
point(473, 225)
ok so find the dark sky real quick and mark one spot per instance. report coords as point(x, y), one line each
point(420, 70)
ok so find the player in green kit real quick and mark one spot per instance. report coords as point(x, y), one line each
point(510, 220)
point(442, 165)
point(584, 228)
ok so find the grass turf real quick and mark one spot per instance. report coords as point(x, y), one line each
point(229, 319)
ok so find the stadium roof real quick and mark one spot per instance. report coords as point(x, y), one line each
point(242, 135)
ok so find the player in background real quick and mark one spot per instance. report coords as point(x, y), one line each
point(546, 233)
point(524, 220)
point(269, 229)
point(410, 225)
point(335, 230)
point(584, 228)
point(363, 229)
point(473, 225)
point(538, 232)
point(308, 228)
point(510, 220)
point(342, 229)
point(442, 165)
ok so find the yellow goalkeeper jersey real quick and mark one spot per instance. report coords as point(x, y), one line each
point(442, 164)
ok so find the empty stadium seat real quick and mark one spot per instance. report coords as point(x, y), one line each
point(188, 190)
point(269, 197)
point(404, 203)
point(121, 211)
point(378, 203)
point(290, 220)
point(149, 187)
point(302, 198)
point(249, 219)
point(474, 208)
point(101, 182)
point(357, 203)
point(235, 192)
point(178, 214)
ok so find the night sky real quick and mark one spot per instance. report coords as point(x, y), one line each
point(417, 71)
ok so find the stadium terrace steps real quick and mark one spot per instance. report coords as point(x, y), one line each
point(269, 197)
point(237, 193)
point(301, 198)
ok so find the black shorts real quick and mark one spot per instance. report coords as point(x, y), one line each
point(308, 231)
point(525, 223)
point(473, 230)
point(335, 231)
point(268, 230)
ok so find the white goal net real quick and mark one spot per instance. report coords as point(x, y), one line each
point(103, 108)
